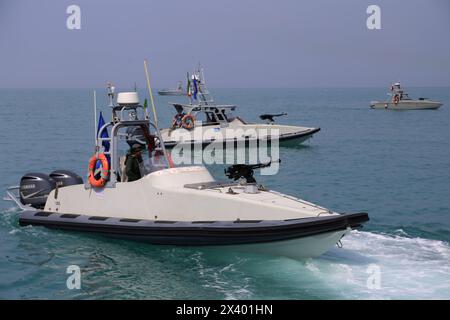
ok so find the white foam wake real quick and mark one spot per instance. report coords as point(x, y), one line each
point(409, 268)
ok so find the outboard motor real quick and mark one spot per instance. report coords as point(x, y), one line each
point(64, 178)
point(35, 188)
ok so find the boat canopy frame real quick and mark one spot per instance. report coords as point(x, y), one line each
point(118, 122)
point(215, 114)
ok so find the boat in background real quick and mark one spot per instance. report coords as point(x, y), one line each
point(401, 101)
point(203, 122)
point(178, 91)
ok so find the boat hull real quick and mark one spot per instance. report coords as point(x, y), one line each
point(305, 237)
point(300, 248)
point(406, 105)
point(171, 93)
point(284, 140)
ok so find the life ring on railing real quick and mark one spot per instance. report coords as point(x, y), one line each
point(177, 120)
point(188, 122)
point(98, 183)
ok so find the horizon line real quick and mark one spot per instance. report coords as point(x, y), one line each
point(230, 88)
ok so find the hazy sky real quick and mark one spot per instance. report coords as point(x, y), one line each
point(246, 43)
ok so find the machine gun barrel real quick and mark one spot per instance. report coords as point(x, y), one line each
point(245, 171)
point(262, 165)
point(269, 117)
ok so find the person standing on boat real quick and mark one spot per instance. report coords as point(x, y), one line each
point(133, 163)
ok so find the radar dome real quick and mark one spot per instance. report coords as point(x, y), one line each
point(127, 98)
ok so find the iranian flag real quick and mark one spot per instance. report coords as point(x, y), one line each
point(188, 89)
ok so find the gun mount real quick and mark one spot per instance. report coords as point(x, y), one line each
point(269, 117)
point(245, 171)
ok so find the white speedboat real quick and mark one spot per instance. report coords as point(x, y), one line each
point(401, 101)
point(178, 91)
point(173, 205)
point(203, 122)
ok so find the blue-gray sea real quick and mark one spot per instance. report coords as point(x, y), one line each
point(395, 165)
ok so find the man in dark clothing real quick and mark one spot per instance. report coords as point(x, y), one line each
point(132, 163)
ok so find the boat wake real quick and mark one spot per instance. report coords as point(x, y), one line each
point(369, 266)
point(380, 266)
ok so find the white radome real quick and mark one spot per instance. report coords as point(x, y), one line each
point(127, 98)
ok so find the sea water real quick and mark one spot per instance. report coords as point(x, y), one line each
point(395, 165)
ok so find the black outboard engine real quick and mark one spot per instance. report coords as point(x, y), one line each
point(64, 178)
point(35, 188)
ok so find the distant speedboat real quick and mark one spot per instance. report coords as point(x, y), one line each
point(401, 101)
point(203, 122)
point(178, 91)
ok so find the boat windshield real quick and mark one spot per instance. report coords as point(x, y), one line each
point(213, 117)
point(405, 96)
point(205, 118)
point(229, 116)
point(154, 161)
point(151, 157)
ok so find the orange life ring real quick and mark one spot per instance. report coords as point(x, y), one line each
point(188, 122)
point(98, 183)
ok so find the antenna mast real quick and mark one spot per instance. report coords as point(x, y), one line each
point(95, 118)
point(151, 94)
point(111, 90)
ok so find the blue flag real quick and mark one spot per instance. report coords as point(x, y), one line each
point(195, 89)
point(105, 144)
point(104, 134)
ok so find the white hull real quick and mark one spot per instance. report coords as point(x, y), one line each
point(302, 238)
point(237, 133)
point(167, 195)
point(406, 105)
point(185, 206)
point(308, 247)
point(171, 93)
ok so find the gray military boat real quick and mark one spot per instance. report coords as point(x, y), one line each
point(178, 91)
point(204, 122)
point(401, 101)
